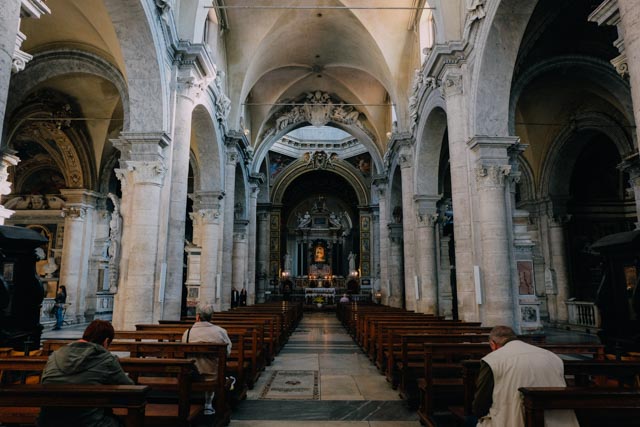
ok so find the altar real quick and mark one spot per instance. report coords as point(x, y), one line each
point(320, 295)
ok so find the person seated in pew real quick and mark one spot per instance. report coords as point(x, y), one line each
point(205, 331)
point(510, 365)
point(86, 361)
point(344, 299)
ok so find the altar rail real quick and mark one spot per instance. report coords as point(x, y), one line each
point(583, 313)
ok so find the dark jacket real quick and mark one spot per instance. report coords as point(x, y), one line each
point(81, 363)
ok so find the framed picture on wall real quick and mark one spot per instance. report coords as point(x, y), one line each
point(525, 278)
point(365, 223)
point(7, 271)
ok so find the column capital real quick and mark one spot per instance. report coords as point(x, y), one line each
point(191, 87)
point(79, 197)
point(452, 82)
point(492, 176)
point(426, 210)
point(492, 149)
point(141, 146)
point(205, 216)
point(380, 181)
point(608, 13)
point(7, 158)
point(631, 166)
point(231, 156)
point(140, 172)
point(74, 212)
point(207, 200)
point(33, 8)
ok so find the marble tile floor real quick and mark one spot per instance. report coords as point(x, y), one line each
point(351, 391)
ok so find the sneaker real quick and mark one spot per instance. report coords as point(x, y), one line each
point(208, 410)
point(231, 382)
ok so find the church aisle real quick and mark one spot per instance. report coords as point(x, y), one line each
point(322, 378)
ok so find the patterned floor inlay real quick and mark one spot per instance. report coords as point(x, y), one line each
point(326, 410)
point(291, 385)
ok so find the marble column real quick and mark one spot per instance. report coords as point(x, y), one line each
point(141, 173)
point(9, 27)
point(206, 218)
point(405, 159)
point(631, 166)
point(629, 44)
point(262, 254)
point(8, 158)
point(396, 269)
point(12, 58)
point(251, 272)
point(79, 221)
point(560, 265)
point(461, 193)
point(426, 267)
point(240, 252)
point(227, 239)
point(380, 187)
point(375, 251)
point(445, 295)
point(188, 89)
point(491, 169)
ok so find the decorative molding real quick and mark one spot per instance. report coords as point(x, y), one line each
point(74, 212)
point(475, 13)
point(191, 87)
point(317, 108)
point(20, 57)
point(421, 84)
point(142, 172)
point(319, 160)
point(452, 84)
point(492, 176)
point(205, 216)
point(608, 14)
point(8, 158)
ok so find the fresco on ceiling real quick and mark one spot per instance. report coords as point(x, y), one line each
point(362, 162)
point(277, 163)
point(44, 181)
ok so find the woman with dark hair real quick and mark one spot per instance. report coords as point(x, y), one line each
point(61, 299)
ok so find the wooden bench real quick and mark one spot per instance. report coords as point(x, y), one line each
point(444, 377)
point(161, 375)
point(582, 373)
point(593, 406)
point(21, 403)
point(246, 367)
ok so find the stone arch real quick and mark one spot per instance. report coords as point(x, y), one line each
point(527, 184)
point(138, 27)
point(362, 137)
point(601, 73)
point(498, 44)
point(561, 157)
point(299, 168)
point(429, 140)
point(51, 64)
point(207, 150)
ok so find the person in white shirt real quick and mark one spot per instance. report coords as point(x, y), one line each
point(205, 331)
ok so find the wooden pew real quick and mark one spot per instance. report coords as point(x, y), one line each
point(598, 406)
point(389, 346)
point(245, 339)
point(582, 373)
point(443, 373)
point(164, 375)
point(21, 403)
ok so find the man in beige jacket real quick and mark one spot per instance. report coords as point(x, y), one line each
point(510, 365)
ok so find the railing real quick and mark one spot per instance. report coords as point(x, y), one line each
point(583, 313)
point(47, 305)
point(104, 306)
